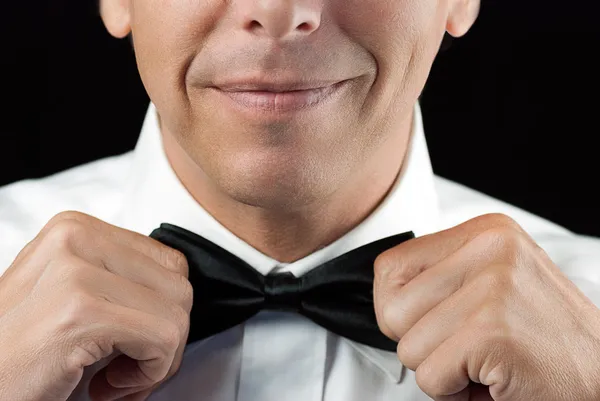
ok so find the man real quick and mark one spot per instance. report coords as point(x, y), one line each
point(287, 133)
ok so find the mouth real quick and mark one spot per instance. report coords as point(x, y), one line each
point(278, 97)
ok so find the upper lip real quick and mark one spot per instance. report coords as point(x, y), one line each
point(273, 86)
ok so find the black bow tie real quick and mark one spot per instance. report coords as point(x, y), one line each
point(338, 295)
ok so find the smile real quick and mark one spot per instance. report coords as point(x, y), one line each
point(277, 99)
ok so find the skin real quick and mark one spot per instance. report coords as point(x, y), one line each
point(83, 291)
point(263, 178)
point(499, 321)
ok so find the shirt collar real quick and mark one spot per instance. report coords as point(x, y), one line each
point(155, 195)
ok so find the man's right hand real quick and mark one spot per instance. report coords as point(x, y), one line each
point(83, 291)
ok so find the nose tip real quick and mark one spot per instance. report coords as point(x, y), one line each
point(281, 19)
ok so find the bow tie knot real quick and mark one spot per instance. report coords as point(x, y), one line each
point(283, 292)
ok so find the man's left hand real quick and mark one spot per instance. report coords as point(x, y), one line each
point(482, 313)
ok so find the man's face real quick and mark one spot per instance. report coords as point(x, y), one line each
point(216, 70)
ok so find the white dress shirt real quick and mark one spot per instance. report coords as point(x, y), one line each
point(274, 356)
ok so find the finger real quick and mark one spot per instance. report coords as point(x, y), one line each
point(402, 306)
point(150, 340)
point(462, 361)
point(68, 222)
point(122, 260)
point(170, 297)
point(473, 392)
point(136, 393)
point(443, 374)
point(408, 259)
point(70, 233)
point(401, 264)
point(479, 246)
point(101, 390)
point(122, 372)
point(138, 268)
point(120, 291)
point(440, 323)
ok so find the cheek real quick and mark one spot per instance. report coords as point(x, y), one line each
point(403, 37)
point(167, 36)
point(390, 26)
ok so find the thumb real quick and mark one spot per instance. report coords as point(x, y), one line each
point(120, 378)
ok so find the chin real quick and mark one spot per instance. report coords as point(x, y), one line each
point(284, 186)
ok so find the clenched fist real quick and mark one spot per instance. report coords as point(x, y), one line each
point(83, 291)
point(482, 314)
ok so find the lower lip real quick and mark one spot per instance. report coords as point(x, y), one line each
point(281, 102)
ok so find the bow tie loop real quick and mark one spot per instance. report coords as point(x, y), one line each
point(283, 292)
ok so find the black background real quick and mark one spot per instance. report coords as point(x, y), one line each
point(511, 109)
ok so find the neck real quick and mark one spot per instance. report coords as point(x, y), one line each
point(287, 235)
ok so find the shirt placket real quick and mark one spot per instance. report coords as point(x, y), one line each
point(283, 358)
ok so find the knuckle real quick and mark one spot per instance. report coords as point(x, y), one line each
point(385, 263)
point(388, 313)
point(62, 234)
point(499, 279)
point(501, 236)
point(505, 243)
point(175, 365)
point(489, 321)
point(382, 264)
point(393, 315)
point(538, 253)
point(500, 347)
point(174, 368)
point(176, 261)
point(76, 310)
point(67, 272)
point(429, 380)
point(499, 220)
point(394, 271)
point(180, 290)
point(88, 351)
point(405, 352)
point(66, 215)
point(182, 319)
point(170, 336)
point(508, 241)
point(186, 294)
